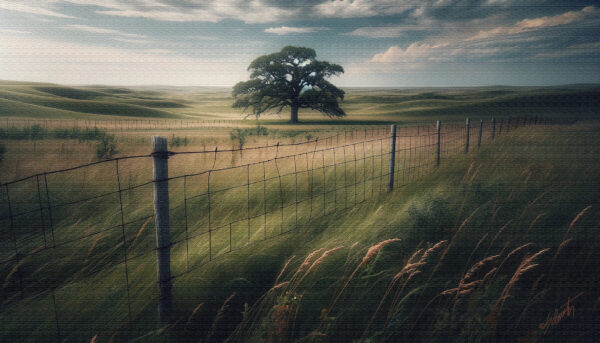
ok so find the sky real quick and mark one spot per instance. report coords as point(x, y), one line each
point(379, 43)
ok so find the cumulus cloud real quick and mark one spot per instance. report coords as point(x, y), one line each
point(396, 54)
point(467, 45)
point(363, 8)
point(286, 30)
point(379, 32)
point(255, 11)
point(527, 25)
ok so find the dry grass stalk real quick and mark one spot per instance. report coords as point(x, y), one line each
point(525, 265)
point(497, 235)
point(323, 257)
point(283, 269)
point(561, 246)
point(191, 317)
point(514, 252)
point(535, 221)
point(433, 249)
point(557, 316)
point(142, 229)
point(306, 263)
point(475, 249)
point(373, 250)
point(474, 175)
point(468, 171)
point(11, 273)
point(575, 220)
point(92, 248)
point(466, 284)
point(456, 234)
point(410, 268)
point(278, 286)
point(315, 264)
point(94, 339)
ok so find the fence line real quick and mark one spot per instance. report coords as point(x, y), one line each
point(221, 209)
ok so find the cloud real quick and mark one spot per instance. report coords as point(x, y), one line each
point(132, 41)
point(362, 8)
point(396, 54)
point(100, 30)
point(43, 60)
point(36, 10)
point(286, 30)
point(255, 11)
point(468, 44)
point(378, 32)
point(527, 25)
point(14, 31)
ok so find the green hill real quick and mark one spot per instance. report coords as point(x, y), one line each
point(35, 101)
point(360, 104)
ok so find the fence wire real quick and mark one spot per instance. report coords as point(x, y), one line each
point(90, 229)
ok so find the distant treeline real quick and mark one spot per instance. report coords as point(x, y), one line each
point(38, 132)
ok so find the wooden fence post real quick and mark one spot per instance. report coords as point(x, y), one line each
point(493, 127)
point(163, 239)
point(480, 133)
point(392, 158)
point(468, 128)
point(439, 126)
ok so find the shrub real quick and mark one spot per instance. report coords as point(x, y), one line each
point(239, 135)
point(35, 132)
point(107, 147)
point(177, 141)
point(2, 152)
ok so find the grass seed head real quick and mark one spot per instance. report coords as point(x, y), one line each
point(373, 250)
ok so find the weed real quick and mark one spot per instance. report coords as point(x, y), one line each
point(178, 141)
point(107, 147)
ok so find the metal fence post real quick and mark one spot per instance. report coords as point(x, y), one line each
point(439, 126)
point(392, 158)
point(480, 133)
point(163, 239)
point(468, 128)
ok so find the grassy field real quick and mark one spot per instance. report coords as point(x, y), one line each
point(497, 245)
point(363, 105)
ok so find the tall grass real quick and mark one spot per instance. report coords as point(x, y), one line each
point(38, 132)
point(465, 258)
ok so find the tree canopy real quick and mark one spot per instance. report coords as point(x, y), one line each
point(294, 78)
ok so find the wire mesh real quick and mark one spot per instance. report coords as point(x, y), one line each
point(90, 228)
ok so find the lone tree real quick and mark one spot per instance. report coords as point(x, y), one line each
point(291, 77)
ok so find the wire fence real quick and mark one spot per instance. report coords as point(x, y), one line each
point(124, 124)
point(90, 230)
point(128, 125)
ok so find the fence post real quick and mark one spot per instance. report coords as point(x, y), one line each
point(163, 239)
point(480, 133)
point(493, 127)
point(392, 158)
point(439, 126)
point(468, 128)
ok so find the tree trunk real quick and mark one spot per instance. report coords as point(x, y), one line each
point(294, 116)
